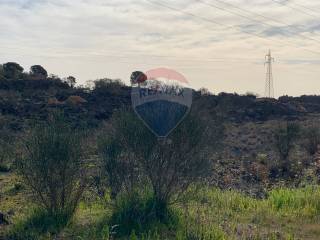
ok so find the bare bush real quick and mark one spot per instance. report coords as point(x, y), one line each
point(5, 150)
point(285, 136)
point(205, 92)
point(312, 139)
point(7, 146)
point(116, 145)
point(53, 165)
point(135, 155)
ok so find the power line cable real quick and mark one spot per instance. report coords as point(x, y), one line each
point(294, 8)
point(141, 53)
point(251, 12)
point(226, 26)
point(285, 24)
point(190, 59)
point(168, 57)
point(252, 19)
point(307, 8)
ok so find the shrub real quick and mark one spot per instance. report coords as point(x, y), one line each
point(205, 92)
point(122, 167)
point(6, 150)
point(112, 86)
point(133, 156)
point(312, 139)
point(53, 165)
point(1, 72)
point(285, 136)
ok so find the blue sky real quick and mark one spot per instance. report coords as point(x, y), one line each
point(212, 42)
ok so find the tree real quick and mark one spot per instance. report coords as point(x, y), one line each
point(133, 156)
point(53, 165)
point(285, 135)
point(71, 81)
point(1, 72)
point(113, 86)
point(205, 91)
point(38, 71)
point(12, 70)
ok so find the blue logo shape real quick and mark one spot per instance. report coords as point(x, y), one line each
point(161, 98)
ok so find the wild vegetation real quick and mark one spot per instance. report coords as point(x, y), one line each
point(52, 165)
point(76, 163)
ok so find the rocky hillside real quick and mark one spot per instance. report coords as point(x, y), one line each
point(21, 100)
point(248, 157)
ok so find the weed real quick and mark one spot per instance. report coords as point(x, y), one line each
point(39, 223)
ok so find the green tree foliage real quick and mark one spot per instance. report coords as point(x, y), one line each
point(53, 165)
point(112, 86)
point(12, 70)
point(38, 71)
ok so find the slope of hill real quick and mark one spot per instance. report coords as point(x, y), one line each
point(248, 161)
point(25, 99)
point(249, 121)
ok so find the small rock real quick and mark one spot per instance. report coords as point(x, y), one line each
point(3, 220)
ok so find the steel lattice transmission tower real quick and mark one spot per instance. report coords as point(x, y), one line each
point(269, 91)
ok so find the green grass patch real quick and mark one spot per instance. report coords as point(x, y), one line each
point(208, 213)
point(38, 225)
point(303, 202)
point(138, 214)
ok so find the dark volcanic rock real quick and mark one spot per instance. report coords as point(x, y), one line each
point(3, 219)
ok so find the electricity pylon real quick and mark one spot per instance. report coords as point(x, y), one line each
point(269, 91)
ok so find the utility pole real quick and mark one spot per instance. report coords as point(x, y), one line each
point(269, 91)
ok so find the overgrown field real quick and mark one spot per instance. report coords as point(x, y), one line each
point(207, 213)
point(90, 169)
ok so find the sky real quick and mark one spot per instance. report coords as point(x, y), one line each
point(216, 44)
